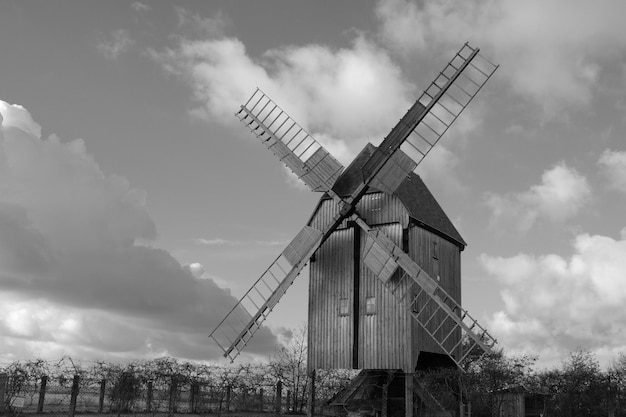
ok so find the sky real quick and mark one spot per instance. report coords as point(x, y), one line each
point(135, 209)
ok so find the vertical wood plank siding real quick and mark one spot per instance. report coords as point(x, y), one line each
point(390, 338)
point(374, 208)
point(448, 267)
point(384, 337)
point(330, 335)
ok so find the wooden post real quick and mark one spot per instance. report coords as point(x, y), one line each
point(279, 397)
point(228, 392)
point(193, 396)
point(74, 395)
point(149, 397)
point(103, 387)
point(42, 394)
point(3, 388)
point(173, 389)
point(385, 401)
point(408, 394)
point(261, 395)
point(310, 405)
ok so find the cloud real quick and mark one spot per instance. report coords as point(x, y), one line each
point(115, 44)
point(230, 242)
point(613, 166)
point(551, 51)
point(73, 276)
point(140, 7)
point(196, 26)
point(343, 97)
point(554, 305)
point(14, 115)
point(559, 197)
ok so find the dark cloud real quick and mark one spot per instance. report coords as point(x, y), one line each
point(69, 242)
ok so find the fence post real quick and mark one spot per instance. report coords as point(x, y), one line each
point(310, 406)
point(3, 388)
point(261, 393)
point(103, 386)
point(173, 388)
point(193, 393)
point(42, 394)
point(228, 398)
point(279, 397)
point(149, 397)
point(74, 395)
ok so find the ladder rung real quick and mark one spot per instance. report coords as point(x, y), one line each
point(257, 103)
point(287, 131)
point(449, 94)
point(449, 334)
point(478, 69)
point(293, 137)
point(268, 114)
point(263, 108)
point(433, 130)
point(462, 89)
point(472, 81)
point(446, 109)
point(440, 324)
point(433, 316)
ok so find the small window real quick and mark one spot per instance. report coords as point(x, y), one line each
point(370, 305)
point(344, 308)
point(435, 250)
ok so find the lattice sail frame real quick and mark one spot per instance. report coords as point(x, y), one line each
point(401, 151)
point(293, 145)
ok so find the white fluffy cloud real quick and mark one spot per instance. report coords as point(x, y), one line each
point(559, 197)
point(554, 305)
point(116, 43)
point(73, 276)
point(613, 166)
point(344, 97)
point(552, 50)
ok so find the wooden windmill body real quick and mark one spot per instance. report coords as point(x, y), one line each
point(385, 259)
point(355, 321)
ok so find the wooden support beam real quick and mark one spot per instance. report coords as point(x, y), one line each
point(279, 398)
point(42, 394)
point(74, 395)
point(4, 378)
point(409, 403)
point(385, 401)
point(310, 405)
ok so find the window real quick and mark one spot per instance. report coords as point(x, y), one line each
point(435, 251)
point(344, 307)
point(370, 305)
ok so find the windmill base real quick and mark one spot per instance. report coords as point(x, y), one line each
point(387, 393)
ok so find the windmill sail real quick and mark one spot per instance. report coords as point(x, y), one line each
point(429, 118)
point(439, 312)
point(234, 332)
point(290, 142)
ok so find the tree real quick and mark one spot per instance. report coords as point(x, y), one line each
point(488, 378)
point(125, 390)
point(288, 364)
point(578, 388)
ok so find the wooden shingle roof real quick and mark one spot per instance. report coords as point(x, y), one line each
point(413, 193)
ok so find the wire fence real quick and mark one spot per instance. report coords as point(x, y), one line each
point(162, 386)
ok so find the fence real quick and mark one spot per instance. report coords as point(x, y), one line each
point(163, 386)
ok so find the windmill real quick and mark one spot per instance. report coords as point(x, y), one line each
point(350, 244)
